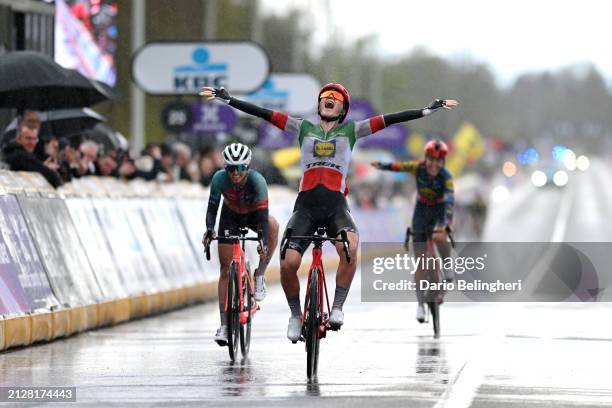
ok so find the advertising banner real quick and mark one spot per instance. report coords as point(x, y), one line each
point(100, 257)
point(12, 297)
point(150, 260)
point(212, 117)
point(22, 251)
point(271, 137)
point(182, 68)
point(292, 93)
point(67, 265)
point(170, 241)
point(381, 224)
point(391, 138)
point(192, 212)
point(125, 247)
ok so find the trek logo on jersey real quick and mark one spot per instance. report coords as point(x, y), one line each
point(324, 164)
point(325, 148)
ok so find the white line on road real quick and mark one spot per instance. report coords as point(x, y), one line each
point(563, 215)
point(461, 391)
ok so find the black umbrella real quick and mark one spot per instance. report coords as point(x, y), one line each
point(31, 80)
point(59, 123)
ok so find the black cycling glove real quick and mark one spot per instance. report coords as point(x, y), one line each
point(434, 106)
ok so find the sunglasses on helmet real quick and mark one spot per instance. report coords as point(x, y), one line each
point(230, 168)
point(334, 94)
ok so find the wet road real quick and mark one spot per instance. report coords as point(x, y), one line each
point(507, 355)
point(502, 355)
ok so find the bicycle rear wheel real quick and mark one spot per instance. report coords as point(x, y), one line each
point(313, 320)
point(245, 328)
point(233, 312)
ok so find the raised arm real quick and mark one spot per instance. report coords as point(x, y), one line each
point(405, 167)
point(278, 119)
point(372, 125)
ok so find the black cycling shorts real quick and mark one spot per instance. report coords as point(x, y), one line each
point(426, 218)
point(319, 207)
point(230, 222)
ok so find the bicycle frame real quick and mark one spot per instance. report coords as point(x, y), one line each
point(317, 262)
point(315, 327)
point(239, 257)
point(434, 273)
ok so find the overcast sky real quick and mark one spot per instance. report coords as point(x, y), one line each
point(511, 36)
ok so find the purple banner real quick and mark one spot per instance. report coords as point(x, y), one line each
point(360, 109)
point(61, 251)
point(213, 117)
point(15, 237)
point(391, 138)
point(12, 298)
point(271, 137)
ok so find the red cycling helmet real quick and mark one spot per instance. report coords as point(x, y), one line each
point(344, 92)
point(436, 149)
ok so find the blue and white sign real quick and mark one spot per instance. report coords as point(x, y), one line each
point(293, 93)
point(171, 68)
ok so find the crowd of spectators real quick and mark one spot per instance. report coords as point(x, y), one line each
point(60, 159)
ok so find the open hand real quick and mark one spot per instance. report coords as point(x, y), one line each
point(215, 93)
point(208, 92)
point(450, 104)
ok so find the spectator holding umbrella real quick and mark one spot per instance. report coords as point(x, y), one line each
point(19, 154)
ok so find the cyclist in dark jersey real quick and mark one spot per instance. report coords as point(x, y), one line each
point(245, 204)
point(434, 206)
point(325, 157)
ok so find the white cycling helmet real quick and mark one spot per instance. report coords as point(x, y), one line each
point(237, 153)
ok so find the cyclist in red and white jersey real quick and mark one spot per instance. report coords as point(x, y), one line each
point(325, 157)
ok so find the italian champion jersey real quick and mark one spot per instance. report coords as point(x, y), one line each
point(326, 156)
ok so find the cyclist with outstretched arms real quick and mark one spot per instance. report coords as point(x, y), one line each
point(245, 204)
point(433, 209)
point(325, 157)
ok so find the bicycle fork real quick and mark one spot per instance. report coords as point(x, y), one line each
point(321, 289)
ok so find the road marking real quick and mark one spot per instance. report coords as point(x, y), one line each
point(563, 215)
point(461, 391)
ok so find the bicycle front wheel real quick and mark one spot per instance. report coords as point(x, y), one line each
point(233, 312)
point(313, 321)
point(434, 308)
point(245, 328)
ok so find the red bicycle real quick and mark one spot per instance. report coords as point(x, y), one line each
point(315, 321)
point(240, 304)
point(433, 295)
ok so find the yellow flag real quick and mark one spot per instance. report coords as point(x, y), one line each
point(415, 144)
point(469, 142)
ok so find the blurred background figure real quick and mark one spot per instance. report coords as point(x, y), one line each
point(88, 156)
point(19, 154)
point(169, 172)
point(106, 163)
